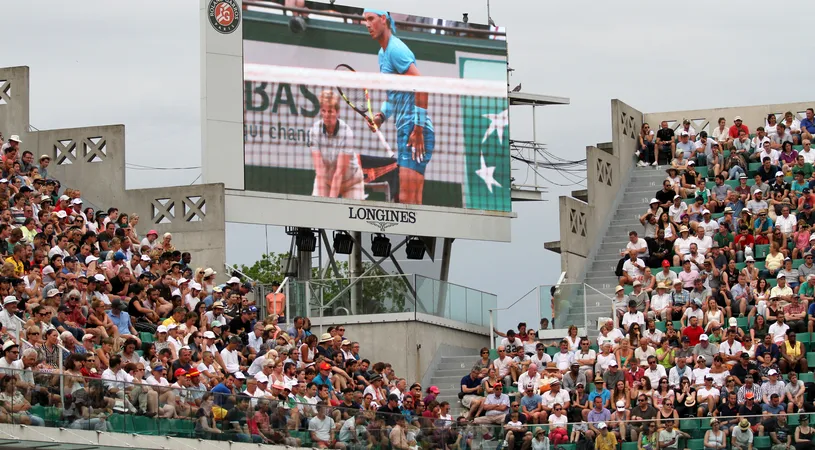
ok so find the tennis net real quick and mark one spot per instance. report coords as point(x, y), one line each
point(287, 139)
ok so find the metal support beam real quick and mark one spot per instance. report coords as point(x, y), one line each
point(444, 274)
point(355, 268)
point(332, 262)
point(404, 278)
point(376, 264)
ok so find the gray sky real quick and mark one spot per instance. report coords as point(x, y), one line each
point(101, 62)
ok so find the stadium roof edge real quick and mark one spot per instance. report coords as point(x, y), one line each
point(527, 99)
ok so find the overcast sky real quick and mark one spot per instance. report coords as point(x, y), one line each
point(101, 62)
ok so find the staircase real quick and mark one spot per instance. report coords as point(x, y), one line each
point(645, 182)
point(447, 374)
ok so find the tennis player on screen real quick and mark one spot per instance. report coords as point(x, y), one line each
point(337, 170)
point(415, 138)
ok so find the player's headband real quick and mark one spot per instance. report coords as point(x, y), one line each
point(387, 15)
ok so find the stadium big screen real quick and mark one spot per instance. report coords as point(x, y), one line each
point(369, 105)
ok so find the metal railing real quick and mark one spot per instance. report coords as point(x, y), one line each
point(563, 305)
point(385, 294)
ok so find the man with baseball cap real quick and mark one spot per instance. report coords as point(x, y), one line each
point(495, 407)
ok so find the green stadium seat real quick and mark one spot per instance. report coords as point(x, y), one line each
point(145, 425)
point(796, 262)
point(121, 423)
point(762, 251)
point(146, 338)
point(797, 148)
point(743, 324)
point(805, 339)
point(726, 154)
point(552, 350)
point(806, 377)
point(688, 424)
point(753, 167)
point(702, 171)
point(688, 201)
point(732, 183)
point(493, 354)
point(740, 266)
point(696, 444)
point(628, 289)
point(762, 442)
point(660, 326)
point(568, 446)
point(716, 216)
point(793, 419)
point(759, 265)
point(629, 446)
point(676, 269)
point(772, 282)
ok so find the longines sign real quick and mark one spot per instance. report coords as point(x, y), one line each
point(380, 217)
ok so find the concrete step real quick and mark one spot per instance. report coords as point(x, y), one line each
point(457, 372)
point(455, 366)
point(457, 359)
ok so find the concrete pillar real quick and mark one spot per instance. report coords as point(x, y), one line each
point(444, 273)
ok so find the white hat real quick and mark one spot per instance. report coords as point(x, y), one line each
point(677, 281)
point(620, 405)
point(601, 425)
point(779, 174)
point(733, 322)
point(240, 375)
point(172, 326)
point(233, 280)
point(8, 345)
point(91, 259)
point(772, 372)
point(737, 118)
point(3, 180)
point(705, 211)
point(676, 197)
point(209, 272)
point(87, 337)
point(76, 201)
point(15, 138)
point(48, 157)
point(145, 258)
point(749, 259)
point(161, 329)
point(613, 363)
point(683, 133)
point(196, 286)
point(62, 214)
point(619, 288)
point(757, 191)
point(653, 200)
point(261, 377)
point(182, 280)
point(703, 337)
point(64, 198)
point(209, 335)
point(99, 277)
point(780, 275)
point(9, 300)
point(52, 293)
point(691, 163)
point(636, 283)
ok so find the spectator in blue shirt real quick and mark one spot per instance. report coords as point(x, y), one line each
point(121, 319)
point(808, 125)
point(600, 391)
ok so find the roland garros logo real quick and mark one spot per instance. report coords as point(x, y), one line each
point(224, 15)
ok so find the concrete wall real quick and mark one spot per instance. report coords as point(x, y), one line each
point(92, 159)
point(409, 342)
point(707, 119)
point(14, 96)
point(625, 127)
point(577, 231)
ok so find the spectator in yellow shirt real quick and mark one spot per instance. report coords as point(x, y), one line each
point(16, 258)
point(606, 440)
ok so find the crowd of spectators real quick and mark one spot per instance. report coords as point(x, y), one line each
point(100, 322)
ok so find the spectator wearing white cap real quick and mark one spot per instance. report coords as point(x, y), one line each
point(757, 203)
point(8, 319)
point(704, 349)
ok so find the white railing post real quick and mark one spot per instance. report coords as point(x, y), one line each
point(62, 371)
point(285, 285)
point(17, 334)
point(492, 333)
point(585, 310)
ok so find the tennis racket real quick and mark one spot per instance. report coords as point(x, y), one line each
point(360, 101)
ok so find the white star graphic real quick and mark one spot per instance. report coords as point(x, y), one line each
point(497, 123)
point(486, 174)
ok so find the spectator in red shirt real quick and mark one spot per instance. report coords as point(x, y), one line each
point(693, 331)
point(736, 128)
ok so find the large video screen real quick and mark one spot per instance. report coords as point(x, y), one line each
point(369, 105)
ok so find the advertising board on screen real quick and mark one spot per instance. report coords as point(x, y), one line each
point(330, 113)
